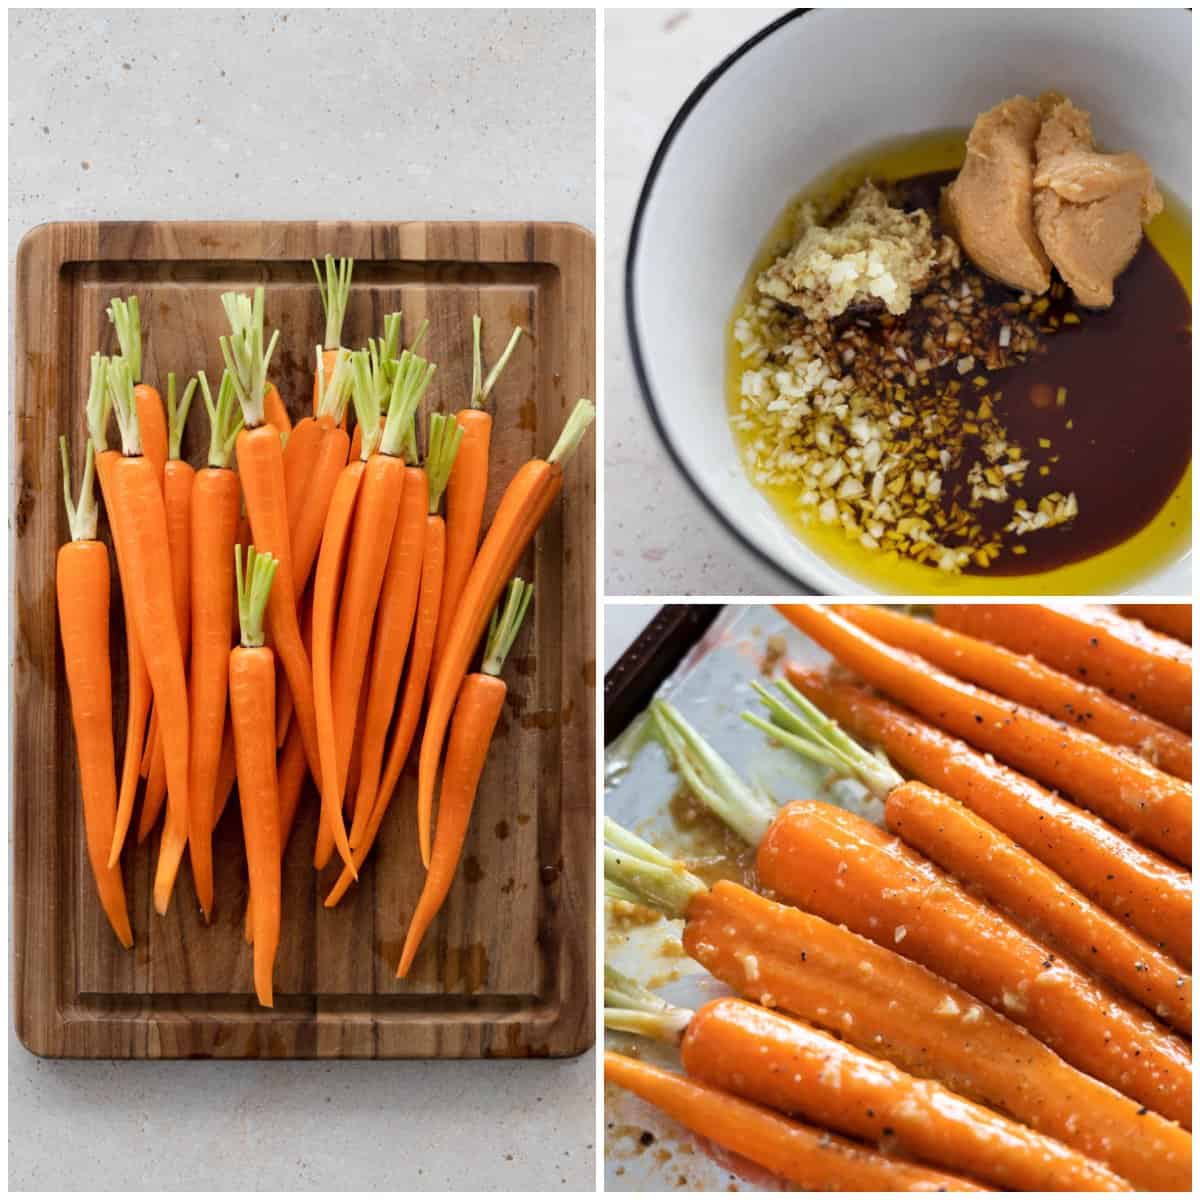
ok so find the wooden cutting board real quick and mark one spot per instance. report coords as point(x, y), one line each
point(507, 970)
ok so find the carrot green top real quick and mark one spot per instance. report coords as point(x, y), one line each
point(224, 419)
point(119, 378)
point(82, 518)
point(127, 319)
point(99, 403)
point(332, 397)
point(505, 625)
point(632, 1008)
point(445, 434)
point(253, 592)
point(482, 388)
point(410, 380)
point(639, 873)
point(244, 353)
point(177, 416)
point(335, 295)
point(582, 415)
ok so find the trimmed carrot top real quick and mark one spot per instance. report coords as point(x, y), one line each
point(332, 397)
point(253, 592)
point(582, 415)
point(631, 1008)
point(99, 403)
point(334, 286)
point(505, 624)
point(445, 434)
point(224, 419)
point(482, 388)
point(177, 415)
point(82, 518)
point(127, 320)
point(244, 354)
point(119, 378)
point(640, 873)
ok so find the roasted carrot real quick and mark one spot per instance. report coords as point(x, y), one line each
point(836, 864)
point(1117, 785)
point(872, 998)
point(480, 702)
point(809, 1158)
point(467, 490)
point(126, 319)
point(375, 518)
point(1127, 660)
point(1134, 885)
point(786, 1065)
point(1175, 620)
point(215, 513)
point(334, 287)
point(522, 508)
point(260, 467)
point(1040, 901)
point(1027, 681)
point(252, 708)
point(82, 582)
point(142, 518)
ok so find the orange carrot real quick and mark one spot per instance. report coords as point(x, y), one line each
point(835, 864)
point(142, 518)
point(252, 705)
point(1175, 620)
point(334, 287)
point(126, 319)
point(525, 503)
point(1134, 885)
point(467, 490)
point(480, 702)
point(82, 584)
point(1136, 797)
point(1028, 682)
point(1127, 660)
point(276, 411)
point(215, 514)
point(226, 772)
point(809, 1158)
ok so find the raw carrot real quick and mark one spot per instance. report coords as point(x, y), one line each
point(260, 467)
point(226, 772)
point(467, 490)
point(334, 287)
point(126, 319)
point(155, 794)
point(1117, 785)
point(522, 508)
point(809, 1158)
point(215, 513)
point(834, 863)
point(142, 519)
point(276, 411)
point(786, 1065)
point(1127, 660)
point(1028, 682)
point(1175, 620)
point(1134, 885)
point(252, 705)
point(889, 1006)
point(1040, 901)
point(480, 702)
point(82, 582)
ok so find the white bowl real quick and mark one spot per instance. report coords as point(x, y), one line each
point(800, 98)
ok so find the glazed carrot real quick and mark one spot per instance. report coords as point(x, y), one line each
point(522, 508)
point(260, 467)
point(480, 702)
point(834, 863)
point(1175, 620)
point(809, 1158)
point(82, 584)
point(334, 286)
point(1127, 660)
point(467, 491)
point(430, 595)
point(142, 519)
point(375, 517)
point(1134, 885)
point(1117, 785)
point(215, 515)
point(252, 705)
point(393, 629)
point(276, 411)
point(1037, 899)
point(1028, 682)
point(786, 1065)
point(126, 319)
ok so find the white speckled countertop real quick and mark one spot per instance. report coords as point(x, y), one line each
point(659, 540)
point(303, 114)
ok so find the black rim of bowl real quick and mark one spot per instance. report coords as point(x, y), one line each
point(635, 345)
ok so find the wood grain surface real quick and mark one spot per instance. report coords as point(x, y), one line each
point(507, 970)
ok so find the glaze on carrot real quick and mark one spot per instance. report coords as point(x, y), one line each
point(1175, 620)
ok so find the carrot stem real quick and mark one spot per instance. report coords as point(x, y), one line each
point(631, 1008)
point(120, 398)
point(224, 418)
point(505, 625)
point(244, 354)
point(411, 378)
point(445, 435)
point(582, 415)
point(334, 286)
point(82, 517)
point(646, 873)
point(127, 320)
point(482, 388)
point(253, 591)
point(177, 415)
